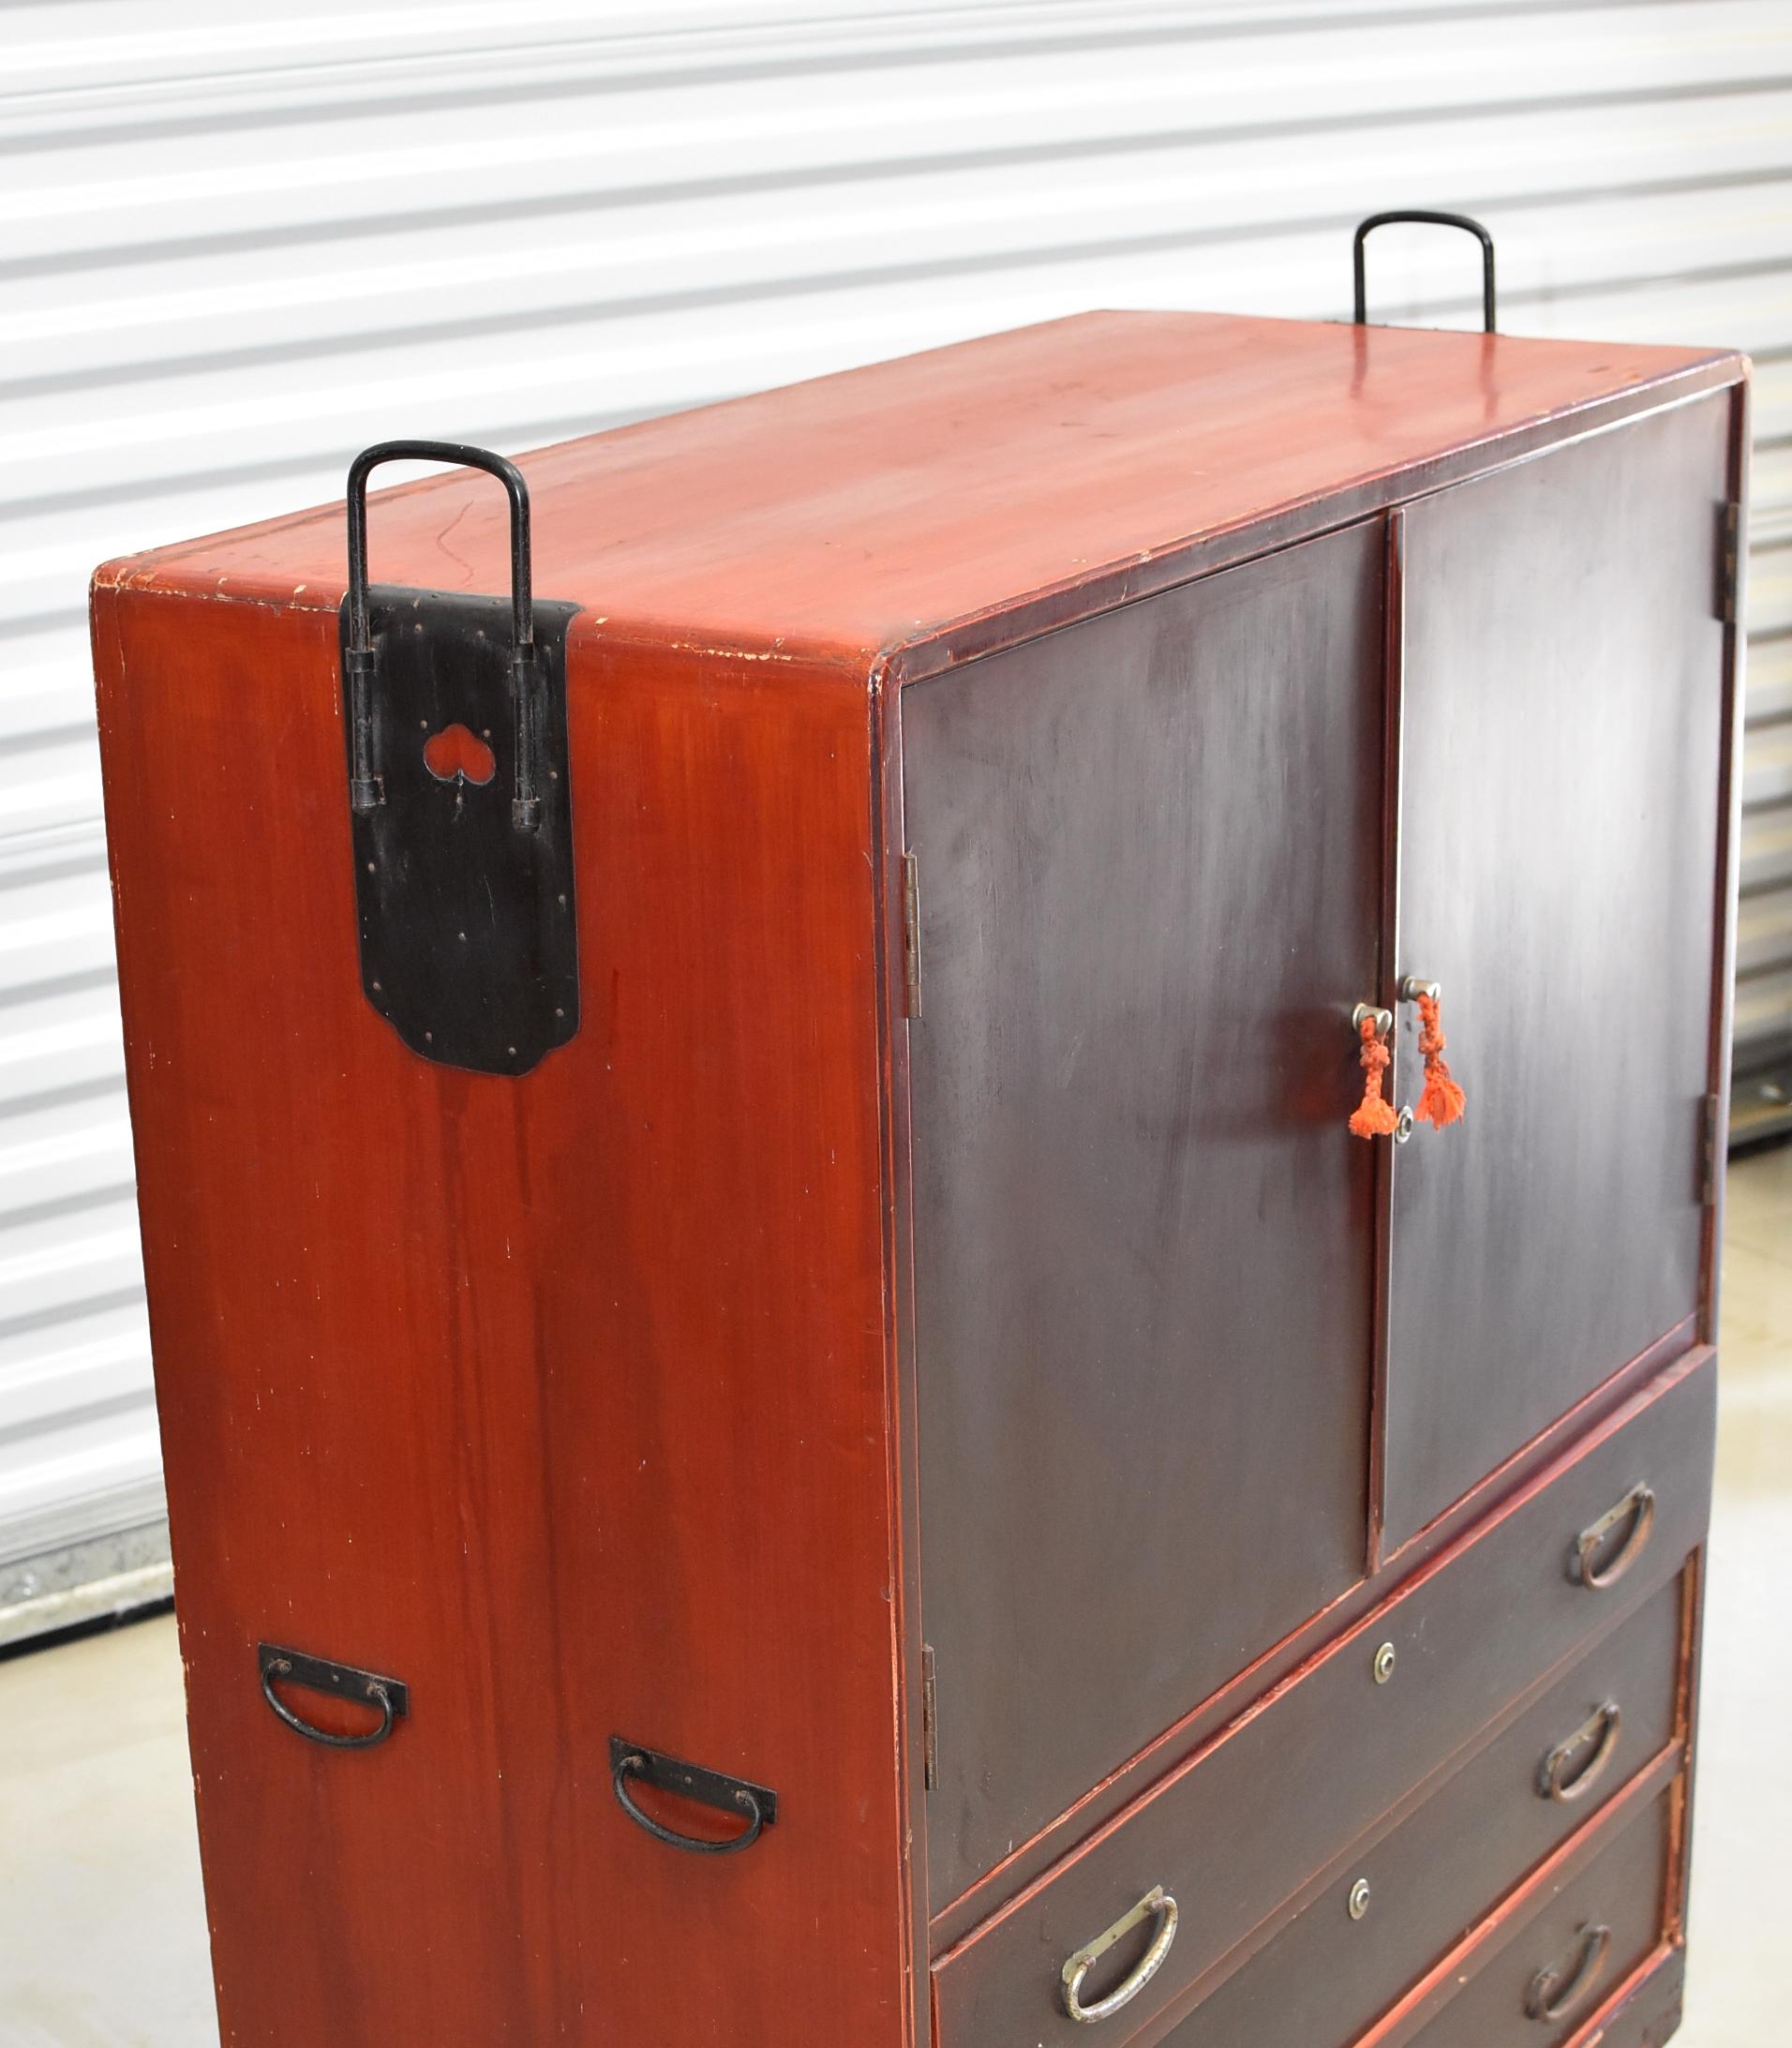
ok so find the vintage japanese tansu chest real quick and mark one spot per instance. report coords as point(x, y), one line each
point(836, 1371)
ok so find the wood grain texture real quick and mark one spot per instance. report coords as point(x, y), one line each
point(1623, 1890)
point(1248, 1820)
point(957, 499)
point(1646, 2011)
point(956, 1919)
point(1727, 880)
point(1149, 859)
point(564, 1399)
point(1627, 1814)
point(1564, 692)
point(1330, 1975)
point(586, 1404)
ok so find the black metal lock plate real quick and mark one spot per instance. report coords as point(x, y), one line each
point(469, 932)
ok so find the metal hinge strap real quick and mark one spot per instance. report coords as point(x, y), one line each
point(1710, 1151)
point(911, 938)
point(930, 1721)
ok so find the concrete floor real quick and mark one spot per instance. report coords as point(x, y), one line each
point(102, 1927)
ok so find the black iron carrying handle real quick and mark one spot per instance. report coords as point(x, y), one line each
point(630, 1762)
point(364, 789)
point(1425, 217)
point(389, 1697)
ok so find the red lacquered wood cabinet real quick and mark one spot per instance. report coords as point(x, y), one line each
point(793, 1414)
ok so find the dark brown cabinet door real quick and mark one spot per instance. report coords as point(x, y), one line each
point(1148, 854)
point(1563, 686)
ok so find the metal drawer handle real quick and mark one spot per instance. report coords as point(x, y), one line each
point(390, 1695)
point(1637, 1508)
point(1600, 1728)
point(1157, 1904)
point(1552, 2001)
point(631, 1761)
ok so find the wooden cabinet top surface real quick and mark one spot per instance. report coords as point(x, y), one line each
point(934, 507)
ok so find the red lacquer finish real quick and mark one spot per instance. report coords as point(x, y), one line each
point(1027, 477)
point(586, 1403)
point(562, 1400)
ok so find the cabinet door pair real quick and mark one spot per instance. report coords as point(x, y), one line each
point(1161, 855)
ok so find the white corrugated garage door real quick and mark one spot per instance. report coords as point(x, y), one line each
point(236, 244)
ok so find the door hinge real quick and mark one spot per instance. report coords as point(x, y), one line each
point(1710, 1155)
point(911, 938)
point(930, 1721)
point(1729, 569)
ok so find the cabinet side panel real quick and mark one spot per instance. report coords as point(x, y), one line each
point(1148, 852)
point(1563, 740)
point(563, 1398)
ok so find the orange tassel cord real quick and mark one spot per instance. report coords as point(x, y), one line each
point(1374, 1116)
point(1443, 1100)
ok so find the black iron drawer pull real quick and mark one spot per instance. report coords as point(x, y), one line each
point(1637, 1508)
point(1601, 1729)
point(1551, 2000)
point(630, 1762)
point(1157, 1904)
point(389, 1696)
point(365, 791)
point(1424, 218)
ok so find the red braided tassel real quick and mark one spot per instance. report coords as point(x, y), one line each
point(1374, 1116)
point(1443, 1100)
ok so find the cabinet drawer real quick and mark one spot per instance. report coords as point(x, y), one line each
point(1549, 1978)
point(1249, 1821)
point(1352, 1952)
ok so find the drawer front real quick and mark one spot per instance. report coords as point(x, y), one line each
point(1265, 1806)
point(1396, 1910)
point(1548, 1979)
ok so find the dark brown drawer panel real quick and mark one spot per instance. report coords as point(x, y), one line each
point(1256, 1813)
point(1562, 1966)
point(1397, 1909)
